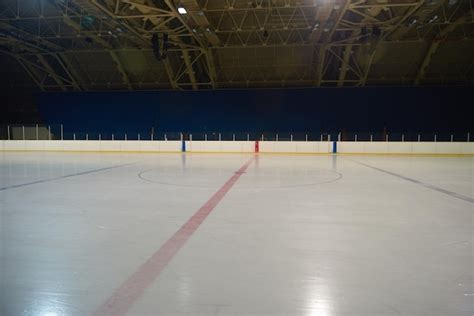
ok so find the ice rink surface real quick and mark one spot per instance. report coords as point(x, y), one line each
point(103, 234)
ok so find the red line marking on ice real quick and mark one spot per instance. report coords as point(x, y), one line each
point(122, 299)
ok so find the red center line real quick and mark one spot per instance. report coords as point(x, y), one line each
point(122, 299)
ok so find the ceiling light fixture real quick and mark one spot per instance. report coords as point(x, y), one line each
point(182, 10)
point(433, 19)
point(413, 21)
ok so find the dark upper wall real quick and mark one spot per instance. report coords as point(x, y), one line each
point(16, 93)
point(440, 109)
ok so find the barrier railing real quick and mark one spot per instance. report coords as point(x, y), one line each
point(60, 132)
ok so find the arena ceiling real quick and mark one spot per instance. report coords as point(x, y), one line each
point(217, 44)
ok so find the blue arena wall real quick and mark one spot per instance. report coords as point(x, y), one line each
point(400, 109)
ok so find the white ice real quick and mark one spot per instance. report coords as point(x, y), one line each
point(296, 235)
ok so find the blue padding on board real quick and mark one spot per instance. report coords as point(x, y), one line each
point(183, 146)
point(334, 147)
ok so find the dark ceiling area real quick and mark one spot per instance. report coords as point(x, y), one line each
point(67, 45)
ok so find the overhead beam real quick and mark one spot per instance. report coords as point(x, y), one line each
point(51, 71)
point(211, 69)
point(376, 45)
point(169, 72)
point(320, 65)
point(421, 11)
point(106, 45)
point(70, 70)
point(322, 51)
point(363, 79)
point(189, 69)
point(426, 61)
point(407, 15)
point(120, 69)
point(339, 18)
point(321, 16)
point(209, 61)
point(320, 69)
point(166, 63)
point(435, 44)
point(39, 54)
point(199, 17)
point(344, 66)
point(287, 82)
point(154, 19)
point(317, 46)
point(30, 39)
point(29, 72)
